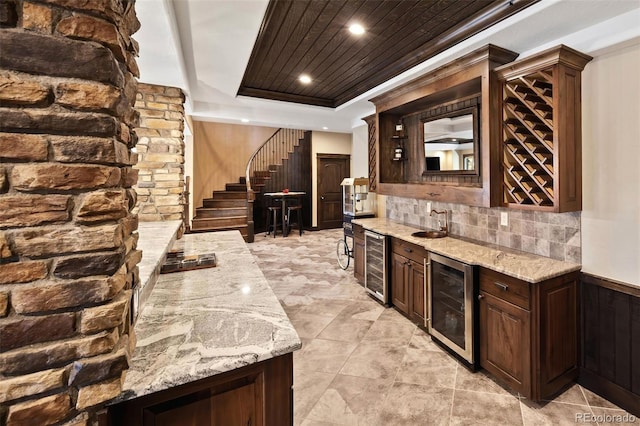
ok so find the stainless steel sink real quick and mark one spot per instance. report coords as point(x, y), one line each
point(429, 234)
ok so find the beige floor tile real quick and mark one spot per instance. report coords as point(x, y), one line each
point(297, 300)
point(325, 307)
point(350, 400)
point(427, 368)
point(391, 314)
point(596, 400)
point(479, 382)
point(308, 422)
point(368, 310)
point(396, 332)
point(421, 340)
point(477, 408)
point(374, 360)
point(413, 405)
point(308, 387)
point(552, 413)
point(572, 395)
point(307, 325)
point(327, 356)
point(345, 329)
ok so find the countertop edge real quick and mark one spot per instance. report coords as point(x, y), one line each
point(567, 267)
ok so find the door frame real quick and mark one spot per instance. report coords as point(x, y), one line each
point(320, 157)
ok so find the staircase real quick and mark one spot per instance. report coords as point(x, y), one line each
point(269, 169)
point(224, 211)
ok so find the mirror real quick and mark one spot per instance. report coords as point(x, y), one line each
point(451, 142)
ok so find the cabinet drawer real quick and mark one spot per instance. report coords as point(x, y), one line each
point(506, 288)
point(408, 250)
point(358, 231)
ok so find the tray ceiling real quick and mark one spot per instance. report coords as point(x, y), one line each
point(312, 37)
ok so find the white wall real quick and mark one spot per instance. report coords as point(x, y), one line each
point(327, 143)
point(360, 152)
point(611, 165)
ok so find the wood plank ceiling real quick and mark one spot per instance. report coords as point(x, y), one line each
point(312, 37)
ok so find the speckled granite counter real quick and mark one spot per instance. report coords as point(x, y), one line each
point(518, 264)
point(200, 323)
point(156, 238)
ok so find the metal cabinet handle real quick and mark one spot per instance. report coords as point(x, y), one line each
point(480, 296)
point(408, 250)
point(501, 286)
point(322, 197)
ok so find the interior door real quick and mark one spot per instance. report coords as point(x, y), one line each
point(332, 168)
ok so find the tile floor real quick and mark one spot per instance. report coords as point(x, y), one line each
point(362, 364)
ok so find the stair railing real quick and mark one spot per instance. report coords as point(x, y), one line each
point(271, 152)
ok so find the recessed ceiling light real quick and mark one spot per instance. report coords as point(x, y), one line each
point(325, 128)
point(356, 29)
point(304, 79)
point(244, 120)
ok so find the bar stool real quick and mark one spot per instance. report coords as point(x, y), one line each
point(295, 206)
point(274, 211)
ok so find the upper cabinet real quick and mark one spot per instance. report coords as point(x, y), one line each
point(463, 90)
point(541, 145)
point(484, 131)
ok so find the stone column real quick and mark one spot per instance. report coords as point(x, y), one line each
point(67, 235)
point(160, 151)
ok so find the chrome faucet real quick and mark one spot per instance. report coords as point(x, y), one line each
point(444, 228)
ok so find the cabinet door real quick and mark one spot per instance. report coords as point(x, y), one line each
point(417, 293)
point(399, 283)
point(358, 259)
point(505, 342)
point(236, 406)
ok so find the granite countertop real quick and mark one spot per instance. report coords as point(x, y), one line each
point(200, 323)
point(525, 266)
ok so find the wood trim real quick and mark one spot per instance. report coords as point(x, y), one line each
point(372, 155)
point(560, 54)
point(285, 97)
point(397, 96)
point(622, 287)
point(345, 156)
point(472, 196)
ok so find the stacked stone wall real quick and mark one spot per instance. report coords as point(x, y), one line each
point(68, 257)
point(160, 151)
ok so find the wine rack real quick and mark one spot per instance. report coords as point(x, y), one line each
point(528, 140)
point(541, 131)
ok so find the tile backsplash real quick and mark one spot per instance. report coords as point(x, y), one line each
point(555, 235)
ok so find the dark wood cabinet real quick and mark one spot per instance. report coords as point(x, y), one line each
point(541, 117)
point(400, 282)
point(417, 301)
point(467, 78)
point(258, 394)
point(528, 332)
point(358, 253)
point(408, 280)
point(505, 341)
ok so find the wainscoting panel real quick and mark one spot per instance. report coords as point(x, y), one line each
point(610, 341)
